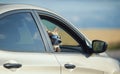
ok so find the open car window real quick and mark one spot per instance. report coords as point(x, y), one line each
point(68, 44)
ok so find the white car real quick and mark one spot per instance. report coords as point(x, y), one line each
point(25, 46)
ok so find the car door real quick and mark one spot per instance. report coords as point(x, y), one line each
point(72, 57)
point(22, 48)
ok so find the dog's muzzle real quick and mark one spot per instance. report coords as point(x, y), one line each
point(56, 40)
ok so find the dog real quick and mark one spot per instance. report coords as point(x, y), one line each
point(55, 39)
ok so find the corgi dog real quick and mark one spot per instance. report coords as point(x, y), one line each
point(55, 39)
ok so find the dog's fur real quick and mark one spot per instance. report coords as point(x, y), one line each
point(55, 33)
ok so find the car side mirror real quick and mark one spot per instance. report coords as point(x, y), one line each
point(99, 46)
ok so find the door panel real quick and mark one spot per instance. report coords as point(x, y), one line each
point(32, 63)
point(70, 57)
point(78, 62)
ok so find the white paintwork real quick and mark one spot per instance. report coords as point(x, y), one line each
point(88, 65)
point(53, 63)
point(10, 7)
point(32, 63)
point(49, 63)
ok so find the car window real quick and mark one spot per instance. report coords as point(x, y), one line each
point(68, 44)
point(66, 38)
point(18, 33)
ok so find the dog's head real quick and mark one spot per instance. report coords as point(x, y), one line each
point(55, 39)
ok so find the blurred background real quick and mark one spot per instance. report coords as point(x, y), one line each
point(97, 19)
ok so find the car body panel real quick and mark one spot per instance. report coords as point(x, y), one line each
point(44, 63)
point(87, 65)
point(10, 7)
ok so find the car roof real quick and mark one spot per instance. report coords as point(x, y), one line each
point(9, 7)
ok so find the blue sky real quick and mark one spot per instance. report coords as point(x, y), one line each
point(82, 13)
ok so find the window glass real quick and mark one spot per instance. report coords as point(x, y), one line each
point(69, 44)
point(18, 33)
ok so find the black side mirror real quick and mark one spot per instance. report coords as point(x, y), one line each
point(99, 46)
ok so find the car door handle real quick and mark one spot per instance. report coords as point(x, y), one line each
point(69, 66)
point(12, 65)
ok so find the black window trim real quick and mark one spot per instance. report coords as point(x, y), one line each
point(34, 18)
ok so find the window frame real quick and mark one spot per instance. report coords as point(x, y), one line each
point(36, 24)
point(78, 36)
point(57, 24)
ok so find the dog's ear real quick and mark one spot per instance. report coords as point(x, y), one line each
point(56, 30)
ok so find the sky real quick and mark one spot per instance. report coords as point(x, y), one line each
point(82, 13)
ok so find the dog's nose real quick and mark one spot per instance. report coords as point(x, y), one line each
point(59, 41)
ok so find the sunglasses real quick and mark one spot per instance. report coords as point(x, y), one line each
point(55, 37)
